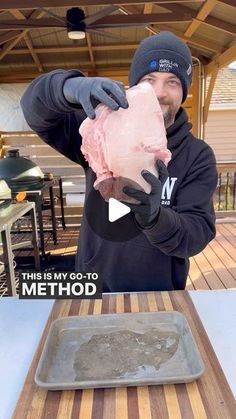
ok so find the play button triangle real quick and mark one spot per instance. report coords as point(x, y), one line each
point(116, 210)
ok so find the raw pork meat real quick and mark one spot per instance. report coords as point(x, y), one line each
point(118, 145)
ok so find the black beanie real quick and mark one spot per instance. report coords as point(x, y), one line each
point(162, 52)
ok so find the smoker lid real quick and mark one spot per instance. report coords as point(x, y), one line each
point(19, 171)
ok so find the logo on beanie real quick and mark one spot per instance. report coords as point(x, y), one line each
point(167, 65)
point(153, 65)
point(189, 70)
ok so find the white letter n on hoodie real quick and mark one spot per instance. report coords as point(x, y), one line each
point(168, 188)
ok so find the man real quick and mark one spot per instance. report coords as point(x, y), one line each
point(171, 223)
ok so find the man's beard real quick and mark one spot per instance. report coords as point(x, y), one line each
point(169, 117)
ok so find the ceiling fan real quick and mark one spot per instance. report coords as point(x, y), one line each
point(77, 24)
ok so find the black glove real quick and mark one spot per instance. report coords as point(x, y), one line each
point(90, 91)
point(146, 213)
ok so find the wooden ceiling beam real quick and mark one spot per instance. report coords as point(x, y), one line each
point(112, 21)
point(12, 34)
point(20, 16)
point(17, 14)
point(228, 2)
point(7, 36)
point(129, 10)
point(204, 11)
point(220, 24)
point(33, 4)
point(203, 18)
point(18, 76)
point(23, 76)
point(77, 49)
point(58, 61)
point(32, 52)
point(198, 42)
point(30, 24)
point(148, 7)
point(127, 46)
point(84, 65)
point(89, 43)
point(222, 60)
point(37, 14)
point(135, 10)
point(90, 50)
point(10, 44)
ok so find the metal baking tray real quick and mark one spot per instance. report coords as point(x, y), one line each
point(113, 350)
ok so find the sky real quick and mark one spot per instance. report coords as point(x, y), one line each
point(232, 65)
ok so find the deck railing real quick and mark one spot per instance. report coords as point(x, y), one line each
point(225, 194)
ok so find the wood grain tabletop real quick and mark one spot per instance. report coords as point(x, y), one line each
point(209, 397)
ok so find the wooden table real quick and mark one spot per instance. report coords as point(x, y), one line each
point(209, 397)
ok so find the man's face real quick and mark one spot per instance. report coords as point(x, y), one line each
point(169, 92)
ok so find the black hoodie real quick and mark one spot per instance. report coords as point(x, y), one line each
point(156, 258)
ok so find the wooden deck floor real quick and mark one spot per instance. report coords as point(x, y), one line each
point(214, 268)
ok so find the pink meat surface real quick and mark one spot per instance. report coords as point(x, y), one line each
point(118, 145)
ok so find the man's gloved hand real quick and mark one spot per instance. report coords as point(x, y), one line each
point(147, 212)
point(90, 91)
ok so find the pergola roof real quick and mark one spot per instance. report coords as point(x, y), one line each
point(207, 26)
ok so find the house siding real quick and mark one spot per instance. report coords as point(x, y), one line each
point(220, 134)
